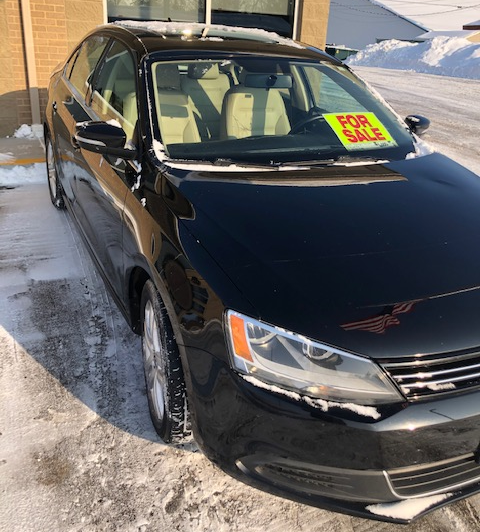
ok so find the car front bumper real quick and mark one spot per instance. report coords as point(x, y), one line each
point(336, 458)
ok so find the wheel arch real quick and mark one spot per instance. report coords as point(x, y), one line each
point(137, 279)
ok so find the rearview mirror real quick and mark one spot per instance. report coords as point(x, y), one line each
point(104, 138)
point(417, 124)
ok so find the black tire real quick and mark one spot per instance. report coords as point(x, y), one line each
point(54, 186)
point(167, 398)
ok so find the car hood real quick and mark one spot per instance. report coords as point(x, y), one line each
point(382, 260)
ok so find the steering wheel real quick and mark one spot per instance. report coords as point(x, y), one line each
point(314, 115)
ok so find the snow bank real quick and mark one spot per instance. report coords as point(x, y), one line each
point(22, 175)
point(444, 56)
point(29, 132)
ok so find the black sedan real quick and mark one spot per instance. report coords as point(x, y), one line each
point(303, 270)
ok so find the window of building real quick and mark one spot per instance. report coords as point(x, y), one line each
point(175, 10)
point(272, 15)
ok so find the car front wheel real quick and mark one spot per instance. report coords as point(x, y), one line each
point(166, 393)
point(54, 186)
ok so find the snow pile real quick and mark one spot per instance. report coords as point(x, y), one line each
point(24, 132)
point(445, 56)
point(22, 175)
point(29, 132)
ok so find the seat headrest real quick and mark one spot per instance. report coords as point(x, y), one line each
point(203, 70)
point(167, 77)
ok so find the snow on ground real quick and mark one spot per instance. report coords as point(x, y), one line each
point(77, 449)
point(21, 175)
point(450, 104)
point(445, 56)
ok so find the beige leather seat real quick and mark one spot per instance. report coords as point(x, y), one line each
point(175, 117)
point(254, 108)
point(206, 86)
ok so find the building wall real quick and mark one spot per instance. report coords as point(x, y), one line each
point(356, 23)
point(14, 99)
point(57, 25)
point(313, 21)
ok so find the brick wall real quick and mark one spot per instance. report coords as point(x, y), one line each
point(13, 97)
point(57, 25)
point(314, 21)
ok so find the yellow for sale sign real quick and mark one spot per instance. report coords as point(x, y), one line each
point(360, 131)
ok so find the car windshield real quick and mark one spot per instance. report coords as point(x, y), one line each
point(270, 111)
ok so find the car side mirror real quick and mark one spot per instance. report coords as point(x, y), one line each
point(417, 124)
point(104, 138)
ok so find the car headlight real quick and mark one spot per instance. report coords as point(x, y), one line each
point(296, 363)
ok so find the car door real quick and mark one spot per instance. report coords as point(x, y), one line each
point(69, 107)
point(100, 193)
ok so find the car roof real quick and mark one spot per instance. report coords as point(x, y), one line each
point(157, 36)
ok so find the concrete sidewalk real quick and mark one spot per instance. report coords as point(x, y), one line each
point(21, 151)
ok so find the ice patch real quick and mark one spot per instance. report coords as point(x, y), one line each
point(407, 509)
point(366, 411)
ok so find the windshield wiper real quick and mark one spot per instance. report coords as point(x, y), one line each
point(312, 162)
point(341, 160)
point(347, 159)
point(238, 162)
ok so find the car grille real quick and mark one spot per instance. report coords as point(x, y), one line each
point(434, 478)
point(318, 480)
point(313, 478)
point(424, 376)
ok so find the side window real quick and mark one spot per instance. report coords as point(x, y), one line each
point(85, 63)
point(114, 96)
point(70, 64)
point(328, 95)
